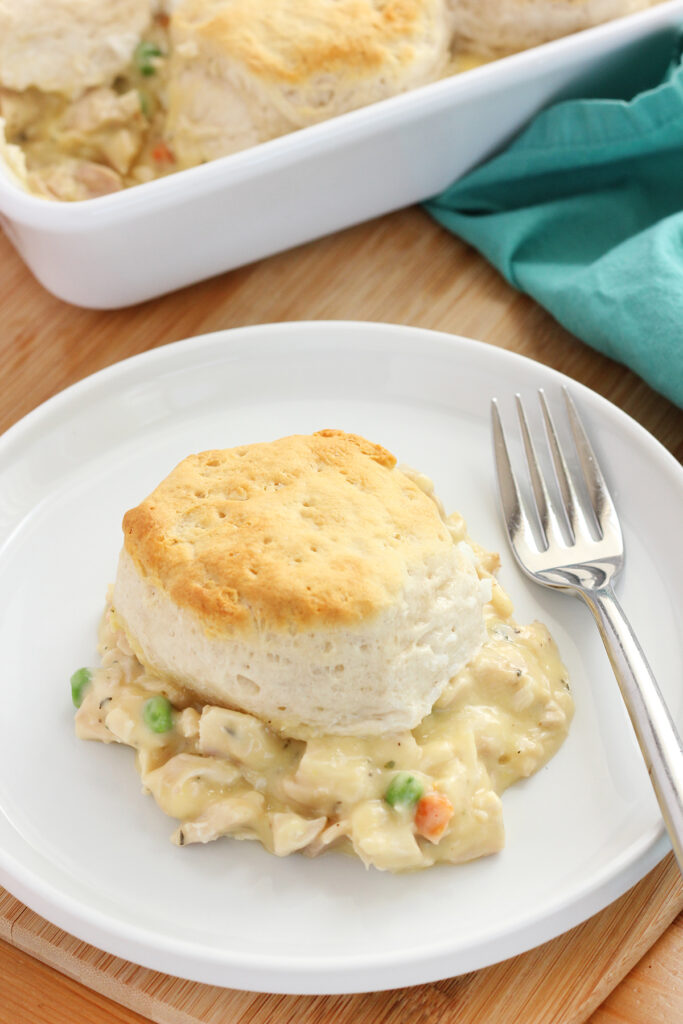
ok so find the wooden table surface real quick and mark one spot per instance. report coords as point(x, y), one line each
point(401, 268)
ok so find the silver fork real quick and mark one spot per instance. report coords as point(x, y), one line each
point(581, 550)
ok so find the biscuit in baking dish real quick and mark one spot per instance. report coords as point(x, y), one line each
point(491, 27)
point(67, 46)
point(307, 581)
point(243, 72)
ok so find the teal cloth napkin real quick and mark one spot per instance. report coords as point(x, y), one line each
point(584, 212)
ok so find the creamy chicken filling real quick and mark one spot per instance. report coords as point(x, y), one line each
point(107, 139)
point(398, 802)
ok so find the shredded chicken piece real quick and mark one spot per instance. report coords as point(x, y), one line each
point(74, 179)
point(293, 832)
point(233, 816)
point(101, 108)
point(22, 109)
point(110, 127)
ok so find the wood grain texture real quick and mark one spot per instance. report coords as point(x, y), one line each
point(401, 269)
point(404, 269)
point(655, 986)
point(562, 981)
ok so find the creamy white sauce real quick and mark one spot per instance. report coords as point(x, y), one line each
point(225, 773)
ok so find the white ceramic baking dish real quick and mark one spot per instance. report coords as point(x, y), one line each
point(153, 238)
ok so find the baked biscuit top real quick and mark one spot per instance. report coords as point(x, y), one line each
point(302, 532)
point(290, 41)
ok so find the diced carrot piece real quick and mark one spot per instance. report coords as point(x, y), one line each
point(432, 815)
point(162, 154)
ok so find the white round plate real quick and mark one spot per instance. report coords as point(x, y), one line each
point(80, 843)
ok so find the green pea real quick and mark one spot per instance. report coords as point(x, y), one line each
point(80, 681)
point(404, 790)
point(157, 713)
point(145, 53)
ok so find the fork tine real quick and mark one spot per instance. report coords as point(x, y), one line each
point(543, 505)
point(572, 508)
point(600, 497)
point(516, 520)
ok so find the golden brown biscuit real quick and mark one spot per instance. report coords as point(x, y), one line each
point(301, 532)
point(491, 27)
point(67, 46)
point(242, 72)
point(306, 580)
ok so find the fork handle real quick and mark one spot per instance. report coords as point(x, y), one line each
point(659, 742)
